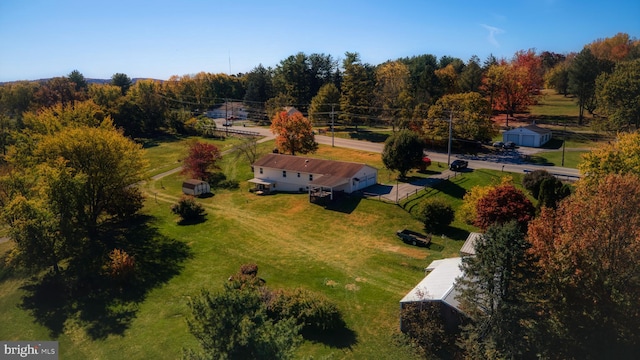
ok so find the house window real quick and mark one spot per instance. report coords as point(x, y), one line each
point(284, 173)
point(261, 171)
point(298, 174)
point(310, 177)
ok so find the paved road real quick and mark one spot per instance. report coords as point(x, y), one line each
point(508, 160)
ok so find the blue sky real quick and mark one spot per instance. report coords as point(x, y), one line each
point(160, 38)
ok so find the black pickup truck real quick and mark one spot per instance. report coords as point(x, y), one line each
point(414, 238)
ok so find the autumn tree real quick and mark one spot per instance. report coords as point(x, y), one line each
point(403, 151)
point(557, 78)
point(325, 106)
point(495, 294)
point(145, 95)
point(502, 204)
point(470, 113)
point(619, 157)
point(468, 211)
point(616, 48)
point(392, 93)
point(618, 96)
point(201, 160)
point(294, 133)
point(57, 90)
point(588, 250)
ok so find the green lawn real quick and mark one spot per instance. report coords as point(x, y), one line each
point(349, 253)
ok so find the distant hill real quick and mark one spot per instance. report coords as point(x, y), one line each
point(89, 81)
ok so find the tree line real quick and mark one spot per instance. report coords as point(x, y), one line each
point(417, 92)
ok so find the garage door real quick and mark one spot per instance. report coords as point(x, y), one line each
point(512, 137)
point(371, 180)
point(528, 140)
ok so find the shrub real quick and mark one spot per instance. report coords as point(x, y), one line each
point(531, 181)
point(313, 311)
point(424, 325)
point(121, 265)
point(188, 209)
point(436, 214)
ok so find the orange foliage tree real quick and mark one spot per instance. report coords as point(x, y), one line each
point(588, 252)
point(294, 133)
point(502, 204)
point(513, 86)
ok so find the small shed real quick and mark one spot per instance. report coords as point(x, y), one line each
point(195, 187)
point(469, 246)
point(530, 135)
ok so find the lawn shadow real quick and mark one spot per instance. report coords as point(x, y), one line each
point(192, 221)
point(371, 136)
point(451, 187)
point(101, 304)
point(344, 204)
point(342, 338)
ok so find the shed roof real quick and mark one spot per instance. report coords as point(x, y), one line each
point(469, 246)
point(192, 183)
point(438, 285)
point(333, 170)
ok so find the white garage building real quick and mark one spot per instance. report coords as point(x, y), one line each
point(530, 135)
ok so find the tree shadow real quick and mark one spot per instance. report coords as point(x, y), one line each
point(341, 338)
point(85, 292)
point(369, 136)
point(451, 188)
point(192, 221)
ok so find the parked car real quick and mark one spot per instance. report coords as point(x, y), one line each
point(509, 145)
point(498, 144)
point(458, 165)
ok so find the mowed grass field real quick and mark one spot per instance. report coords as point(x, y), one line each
point(348, 253)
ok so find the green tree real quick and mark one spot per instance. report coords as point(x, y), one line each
point(618, 96)
point(552, 191)
point(325, 105)
point(80, 82)
point(436, 214)
point(583, 71)
point(188, 209)
point(557, 78)
point(234, 324)
point(259, 85)
point(471, 117)
point(35, 231)
point(471, 77)
point(122, 81)
point(357, 87)
point(403, 151)
point(107, 166)
point(276, 104)
point(145, 94)
point(532, 180)
point(495, 294)
point(294, 133)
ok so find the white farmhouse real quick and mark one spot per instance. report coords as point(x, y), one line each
point(320, 178)
point(530, 135)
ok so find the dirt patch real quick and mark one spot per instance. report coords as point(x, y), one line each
point(352, 287)
point(360, 279)
point(330, 283)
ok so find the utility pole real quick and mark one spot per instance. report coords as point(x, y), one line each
point(332, 126)
point(450, 133)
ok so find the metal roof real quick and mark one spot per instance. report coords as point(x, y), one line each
point(469, 246)
point(438, 285)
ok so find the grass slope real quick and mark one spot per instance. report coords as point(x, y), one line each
point(349, 253)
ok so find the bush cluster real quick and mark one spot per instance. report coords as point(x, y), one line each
point(436, 214)
point(313, 311)
point(188, 209)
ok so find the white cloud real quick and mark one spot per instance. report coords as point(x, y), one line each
point(493, 31)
